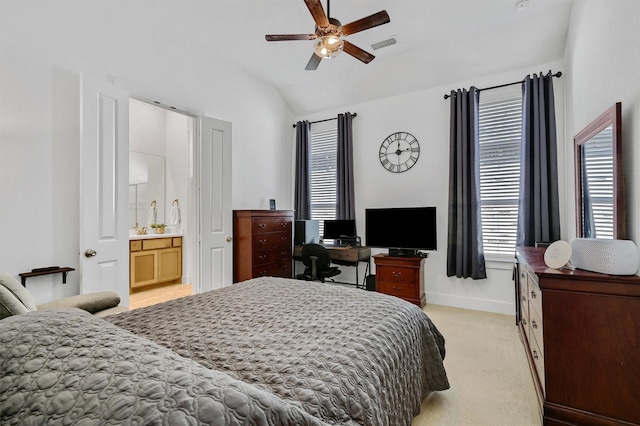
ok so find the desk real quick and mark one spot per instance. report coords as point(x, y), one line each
point(351, 256)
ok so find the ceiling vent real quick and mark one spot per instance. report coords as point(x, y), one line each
point(384, 43)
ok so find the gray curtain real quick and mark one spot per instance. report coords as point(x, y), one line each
point(465, 257)
point(302, 201)
point(539, 211)
point(345, 203)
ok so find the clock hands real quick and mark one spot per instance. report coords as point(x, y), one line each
point(400, 151)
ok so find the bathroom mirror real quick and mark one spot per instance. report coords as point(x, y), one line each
point(598, 172)
point(146, 189)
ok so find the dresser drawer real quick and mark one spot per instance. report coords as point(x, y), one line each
point(399, 289)
point(524, 315)
point(272, 239)
point(534, 296)
point(538, 361)
point(276, 269)
point(156, 243)
point(398, 273)
point(535, 322)
point(271, 224)
point(261, 257)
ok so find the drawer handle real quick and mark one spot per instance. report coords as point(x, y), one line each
point(262, 256)
point(523, 321)
point(283, 238)
point(535, 354)
point(397, 288)
point(262, 225)
point(533, 324)
point(283, 253)
point(283, 224)
point(533, 294)
point(263, 242)
point(396, 273)
point(524, 299)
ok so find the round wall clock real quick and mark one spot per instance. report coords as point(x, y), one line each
point(399, 152)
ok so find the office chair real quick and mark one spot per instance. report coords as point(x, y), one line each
point(317, 263)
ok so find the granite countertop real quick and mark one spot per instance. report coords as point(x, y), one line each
point(150, 236)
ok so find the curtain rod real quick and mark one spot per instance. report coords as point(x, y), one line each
point(558, 74)
point(355, 114)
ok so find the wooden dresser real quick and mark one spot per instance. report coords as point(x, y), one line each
point(402, 277)
point(581, 332)
point(262, 243)
point(155, 261)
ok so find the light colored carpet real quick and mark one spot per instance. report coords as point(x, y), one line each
point(487, 369)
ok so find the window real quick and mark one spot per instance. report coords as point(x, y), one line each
point(500, 134)
point(322, 171)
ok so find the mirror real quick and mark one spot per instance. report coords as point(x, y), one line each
point(146, 189)
point(598, 172)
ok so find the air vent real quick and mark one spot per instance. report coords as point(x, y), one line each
point(384, 43)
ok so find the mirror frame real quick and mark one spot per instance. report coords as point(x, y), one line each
point(611, 117)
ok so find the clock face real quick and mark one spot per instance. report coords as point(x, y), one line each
point(399, 152)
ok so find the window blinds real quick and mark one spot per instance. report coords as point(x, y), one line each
point(500, 134)
point(322, 170)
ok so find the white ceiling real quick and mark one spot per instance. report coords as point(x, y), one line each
point(439, 41)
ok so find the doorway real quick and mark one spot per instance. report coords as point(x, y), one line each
point(161, 181)
point(205, 200)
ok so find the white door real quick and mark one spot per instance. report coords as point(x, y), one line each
point(104, 170)
point(216, 248)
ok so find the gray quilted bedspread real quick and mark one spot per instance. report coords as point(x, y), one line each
point(66, 367)
point(343, 355)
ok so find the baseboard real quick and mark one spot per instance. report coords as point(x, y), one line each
point(472, 303)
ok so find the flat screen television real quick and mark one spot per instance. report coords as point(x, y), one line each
point(339, 229)
point(403, 230)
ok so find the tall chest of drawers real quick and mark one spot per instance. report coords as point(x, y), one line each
point(263, 243)
point(581, 332)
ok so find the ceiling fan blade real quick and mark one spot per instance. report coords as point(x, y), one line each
point(374, 20)
point(315, 7)
point(284, 37)
point(313, 62)
point(357, 53)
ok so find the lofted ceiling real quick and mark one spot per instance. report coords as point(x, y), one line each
point(438, 41)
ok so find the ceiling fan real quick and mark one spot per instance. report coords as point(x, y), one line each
point(329, 34)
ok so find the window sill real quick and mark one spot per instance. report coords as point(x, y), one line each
point(497, 261)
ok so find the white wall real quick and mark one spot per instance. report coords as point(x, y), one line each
point(604, 68)
point(601, 67)
point(39, 136)
point(425, 114)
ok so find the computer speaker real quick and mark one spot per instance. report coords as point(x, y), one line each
point(306, 232)
point(614, 257)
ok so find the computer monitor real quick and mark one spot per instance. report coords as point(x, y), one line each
point(339, 230)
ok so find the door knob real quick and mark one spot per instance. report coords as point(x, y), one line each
point(229, 239)
point(90, 253)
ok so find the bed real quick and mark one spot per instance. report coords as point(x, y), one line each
point(293, 352)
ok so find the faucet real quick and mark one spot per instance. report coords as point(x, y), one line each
point(142, 231)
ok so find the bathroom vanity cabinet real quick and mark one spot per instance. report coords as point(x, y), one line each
point(155, 261)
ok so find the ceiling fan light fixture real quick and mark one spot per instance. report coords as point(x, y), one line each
point(328, 46)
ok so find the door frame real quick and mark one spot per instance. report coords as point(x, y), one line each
point(194, 235)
